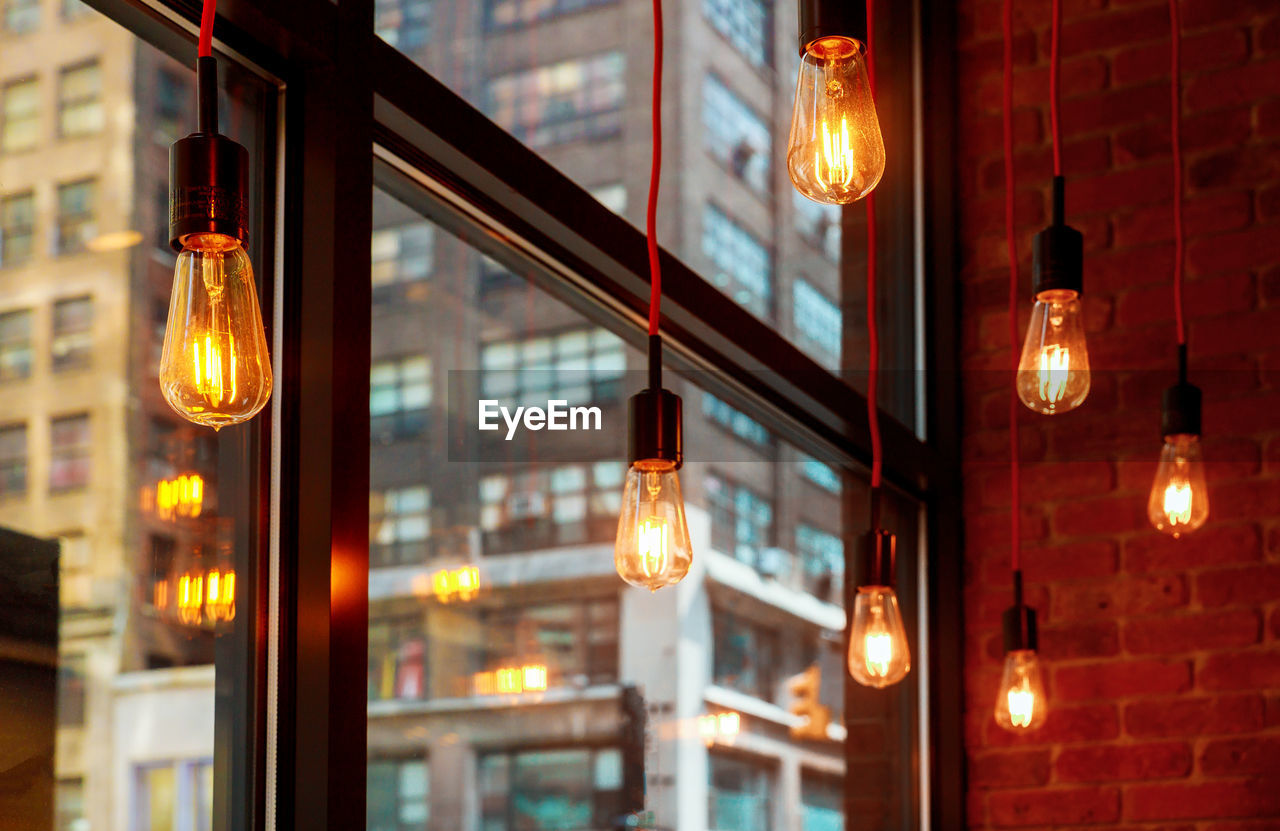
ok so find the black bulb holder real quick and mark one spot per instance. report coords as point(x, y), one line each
point(1180, 413)
point(1019, 622)
point(1058, 251)
point(879, 558)
point(654, 416)
point(208, 172)
point(832, 18)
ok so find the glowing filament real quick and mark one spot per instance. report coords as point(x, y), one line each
point(651, 542)
point(461, 584)
point(1022, 704)
point(190, 598)
point(1055, 363)
point(879, 653)
point(1177, 502)
point(220, 595)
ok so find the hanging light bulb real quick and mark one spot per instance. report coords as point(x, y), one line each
point(1021, 703)
point(1053, 371)
point(214, 368)
point(1179, 502)
point(835, 154)
point(652, 547)
point(190, 595)
point(879, 654)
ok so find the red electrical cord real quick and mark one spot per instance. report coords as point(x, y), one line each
point(873, 332)
point(1175, 90)
point(651, 218)
point(1055, 68)
point(206, 29)
point(1015, 507)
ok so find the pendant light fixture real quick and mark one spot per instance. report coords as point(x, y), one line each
point(835, 154)
point(1179, 501)
point(1053, 372)
point(1020, 703)
point(652, 547)
point(214, 368)
point(879, 654)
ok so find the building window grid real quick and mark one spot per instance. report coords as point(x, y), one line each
point(575, 99)
point(821, 802)
point(742, 266)
point(565, 495)
point(77, 221)
point(400, 392)
point(80, 111)
point(821, 553)
point(70, 449)
point(13, 460)
point(17, 228)
point(402, 255)
point(736, 136)
point(741, 794)
point(508, 14)
point(746, 24)
point(741, 520)
point(735, 421)
point(821, 474)
point(819, 224)
point(577, 640)
point(399, 525)
point(404, 24)
point(818, 324)
point(72, 345)
point(15, 345)
point(398, 659)
point(579, 366)
point(20, 115)
point(399, 794)
point(571, 788)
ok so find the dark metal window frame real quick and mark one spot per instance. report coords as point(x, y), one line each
point(343, 91)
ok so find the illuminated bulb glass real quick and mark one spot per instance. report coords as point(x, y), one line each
point(878, 650)
point(1179, 500)
point(836, 153)
point(652, 549)
point(1053, 373)
point(214, 369)
point(220, 594)
point(1021, 703)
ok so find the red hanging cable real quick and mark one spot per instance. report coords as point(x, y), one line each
point(1055, 68)
point(651, 218)
point(1175, 90)
point(206, 29)
point(1012, 243)
point(873, 332)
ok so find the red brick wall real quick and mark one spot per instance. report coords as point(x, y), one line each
point(1163, 656)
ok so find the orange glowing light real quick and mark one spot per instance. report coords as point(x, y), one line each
point(182, 496)
point(460, 584)
point(511, 680)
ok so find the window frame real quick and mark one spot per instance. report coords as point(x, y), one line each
point(359, 93)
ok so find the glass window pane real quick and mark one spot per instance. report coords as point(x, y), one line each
point(102, 486)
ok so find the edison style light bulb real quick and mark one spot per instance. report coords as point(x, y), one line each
point(836, 153)
point(1179, 500)
point(1053, 373)
point(878, 650)
point(214, 369)
point(652, 549)
point(1021, 703)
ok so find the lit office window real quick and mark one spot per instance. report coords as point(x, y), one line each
point(72, 333)
point(742, 266)
point(551, 789)
point(737, 137)
point(561, 505)
point(580, 366)
point(13, 460)
point(745, 23)
point(506, 14)
point(399, 395)
point(817, 323)
point(735, 421)
point(741, 794)
point(822, 802)
point(399, 525)
point(741, 520)
point(398, 660)
point(404, 24)
point(576, 640)
point(20, 115)
point(80, 100)
point(401, 255)
point(173, 796)
point(17, 228)
point(70, 461)
point(77, 219)
point(399, 795)
point(20, 16)
point(819, 224)
point(575, 99)
point(15, 345)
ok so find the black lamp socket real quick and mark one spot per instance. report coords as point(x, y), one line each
point(654, 416)
point(1020, 628)
point(1180, 413)
point(832, 18)
point(1058, 252)
point(879, 558)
